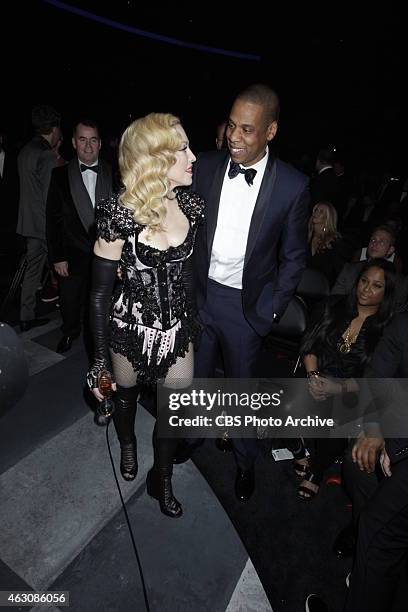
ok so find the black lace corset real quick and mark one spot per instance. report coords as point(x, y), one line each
point(150, 292)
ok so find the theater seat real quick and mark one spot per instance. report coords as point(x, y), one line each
point(293, 322)
point(313, 285)
point(286, 336)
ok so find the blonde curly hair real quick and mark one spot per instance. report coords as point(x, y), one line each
point(146, 154)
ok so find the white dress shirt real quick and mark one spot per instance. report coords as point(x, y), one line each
point(89, 177)
point(237, 203)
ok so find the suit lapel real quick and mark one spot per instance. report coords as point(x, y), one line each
point(214, 202)
point(262, 202)
point(103, 187)
point(80, 196)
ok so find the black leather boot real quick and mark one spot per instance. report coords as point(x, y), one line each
point(158, 486)
point(158, 483)
point(124, 421)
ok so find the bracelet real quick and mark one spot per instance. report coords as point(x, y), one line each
point(313, 373)
point(93, 374)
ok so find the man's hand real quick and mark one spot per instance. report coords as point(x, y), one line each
point(385, 463)
point(366, 451)
point(61, 268)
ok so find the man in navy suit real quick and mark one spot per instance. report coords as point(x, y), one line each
point(251, 251)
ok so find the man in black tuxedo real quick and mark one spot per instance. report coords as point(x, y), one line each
point(73, 192)
point(325, 186)
point(250, 253)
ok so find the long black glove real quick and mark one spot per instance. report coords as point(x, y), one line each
point(103, 279)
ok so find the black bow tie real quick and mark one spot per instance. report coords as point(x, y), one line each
point(236, 169)
point(93, 168)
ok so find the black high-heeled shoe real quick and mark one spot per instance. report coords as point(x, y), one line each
point(301, 469)
point(128, 460)
point(158, 486)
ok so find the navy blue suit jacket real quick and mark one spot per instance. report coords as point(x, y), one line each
point(390, 359)
point(277, 241)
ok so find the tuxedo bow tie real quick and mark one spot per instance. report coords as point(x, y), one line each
point(236, 169)
point(93, 168)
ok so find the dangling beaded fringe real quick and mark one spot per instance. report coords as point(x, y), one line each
point(164, 339)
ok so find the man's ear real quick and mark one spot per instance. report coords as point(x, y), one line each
point(271, 131)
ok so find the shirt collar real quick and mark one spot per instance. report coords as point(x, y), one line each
point(260, 165)
point(324, 168)
point(89, 165)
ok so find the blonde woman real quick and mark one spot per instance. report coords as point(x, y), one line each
point(145, 322)
point(326, 250)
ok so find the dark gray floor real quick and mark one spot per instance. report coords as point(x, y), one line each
point(64, 527)
point(51, 403)
point(184, 565)
point(289, 541)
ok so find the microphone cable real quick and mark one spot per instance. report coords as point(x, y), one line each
point(139, 564)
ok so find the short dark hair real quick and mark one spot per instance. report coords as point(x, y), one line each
point(326, 156)
point(262, 94)
point(388, 229)
point(44, 118)
point(88, 122)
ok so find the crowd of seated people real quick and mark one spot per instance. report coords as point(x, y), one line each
point(342, 335)
point(366, 267)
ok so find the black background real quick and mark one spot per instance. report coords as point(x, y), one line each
point(340, 71)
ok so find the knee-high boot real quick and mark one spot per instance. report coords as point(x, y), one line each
point(158, 481)
point(124, 421)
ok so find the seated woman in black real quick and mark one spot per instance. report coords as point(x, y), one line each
point(337, 345)
point(327, 251)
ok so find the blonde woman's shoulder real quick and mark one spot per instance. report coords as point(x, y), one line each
point(113, 220)
point(192, 204)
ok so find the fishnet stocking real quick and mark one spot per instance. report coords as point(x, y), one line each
point(125, 376)
point(179, 376)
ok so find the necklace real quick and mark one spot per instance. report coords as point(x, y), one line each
point(345, 344)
